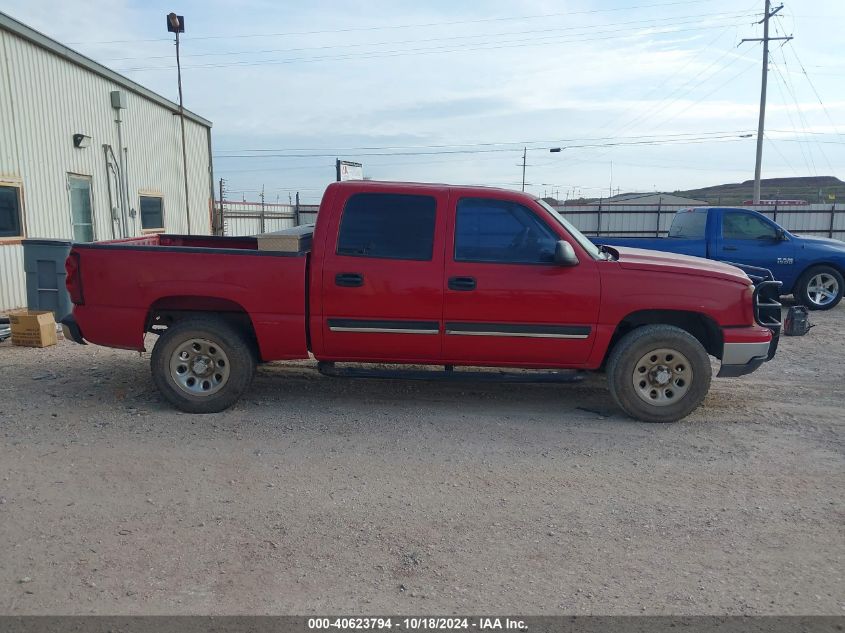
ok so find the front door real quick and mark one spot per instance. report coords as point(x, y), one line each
point(82, 217)
point(506, 301)
point(381, 286)
point(746, 238)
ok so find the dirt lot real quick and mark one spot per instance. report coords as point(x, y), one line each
point(327, 495)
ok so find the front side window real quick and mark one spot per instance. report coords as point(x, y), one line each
point(152, 212)
point(744, 226)
point(689, 224)
point(498, 231)
point(10, 212)
point(388, 226)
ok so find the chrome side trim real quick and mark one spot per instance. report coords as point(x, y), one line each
point(517, 334)
point(743, 353)
point(381, 330)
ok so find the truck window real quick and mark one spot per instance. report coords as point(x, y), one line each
point(498, 231)
point(387, 226)
point(688, 224)
point(744, 226)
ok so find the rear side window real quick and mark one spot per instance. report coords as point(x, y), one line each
point(387, 226)
point(744, 226)
point(688, 224)
point(498, 231)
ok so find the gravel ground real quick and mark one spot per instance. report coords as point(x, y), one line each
point(318, 494)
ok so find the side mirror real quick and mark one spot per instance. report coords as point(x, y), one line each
point(781, 235)
point(565, 254)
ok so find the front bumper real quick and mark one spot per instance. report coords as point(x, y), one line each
point(70, 328)
point(739, 359)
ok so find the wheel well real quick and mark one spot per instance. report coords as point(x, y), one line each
point(166, 311)
point(833, 265)
point(702, 327)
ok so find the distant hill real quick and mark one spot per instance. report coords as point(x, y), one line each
point(813, 189)
point(808, 189)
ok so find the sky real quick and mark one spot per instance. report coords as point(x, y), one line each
point(640, 95)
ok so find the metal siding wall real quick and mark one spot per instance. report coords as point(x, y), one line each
point(44, 100)
point(12, 279)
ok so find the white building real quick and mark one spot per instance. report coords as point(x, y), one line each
point(87, 154)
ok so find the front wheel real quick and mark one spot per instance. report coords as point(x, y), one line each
point(820, 288)
point(658, 373)
point(202, 365)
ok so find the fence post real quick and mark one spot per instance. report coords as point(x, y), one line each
point(598, 219)
point(832, 216)
point(296, 219)
point(657, 227)
point(775, 213)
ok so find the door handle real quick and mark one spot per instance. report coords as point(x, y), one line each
point(730, 248)
point(461, 283)
point(349, 280)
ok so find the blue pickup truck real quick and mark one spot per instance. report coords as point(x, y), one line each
point(811, 268)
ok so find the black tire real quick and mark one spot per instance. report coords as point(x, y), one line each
point(806, 297)
point(676, 353)
point(222, 345)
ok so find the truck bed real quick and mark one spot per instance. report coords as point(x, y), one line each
point(125, 281)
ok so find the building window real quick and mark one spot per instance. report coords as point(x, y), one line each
point(10, 212)
point(388, 226)
point(152, 212)
point(497, 231)
point(81, 213)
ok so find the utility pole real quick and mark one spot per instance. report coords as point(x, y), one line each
point(176, 25)
point(758, 165)
point(524, 153)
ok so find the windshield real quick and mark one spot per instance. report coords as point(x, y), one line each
point(585, 243)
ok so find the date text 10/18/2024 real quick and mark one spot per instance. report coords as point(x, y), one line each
point(417, 623)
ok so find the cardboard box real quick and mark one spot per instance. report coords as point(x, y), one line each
point(33, 328)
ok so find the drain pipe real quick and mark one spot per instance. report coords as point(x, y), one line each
point(132, 212)
point(118, 102)
point(121, 220)
point(109, 170)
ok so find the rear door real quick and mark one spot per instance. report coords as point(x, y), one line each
point(688, 233)
point(748, 238)
point(506, 301)
point(382, 294)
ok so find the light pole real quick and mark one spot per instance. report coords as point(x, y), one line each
point(176, 25)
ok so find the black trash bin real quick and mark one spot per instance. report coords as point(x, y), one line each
point(44, 264)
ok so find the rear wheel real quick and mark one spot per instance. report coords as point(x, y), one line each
point(658, 373)
point(202, 365)
point(820, 288)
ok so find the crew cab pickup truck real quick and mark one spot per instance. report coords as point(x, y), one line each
point(423, 274)
point(811, 268)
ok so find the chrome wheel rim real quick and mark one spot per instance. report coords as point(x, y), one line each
point(822, 289)
point(199, 367)
point(662, 377)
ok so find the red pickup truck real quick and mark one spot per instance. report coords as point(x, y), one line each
point(405, 273)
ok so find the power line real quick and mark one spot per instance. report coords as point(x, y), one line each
point(646, 23)
point(397, 26)
point(680, 141)
point(521, 43)
point(489, 143)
